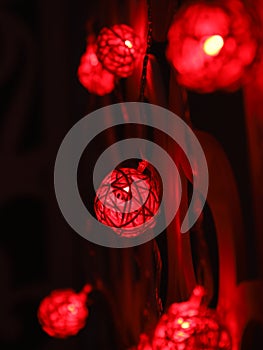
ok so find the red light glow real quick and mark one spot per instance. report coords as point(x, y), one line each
point(191, 326)
point(213, 45)
point(92, 75)
point(185, 325)
point(63, 313)
point(128, 199)
point(128, 44)
point(119, 49)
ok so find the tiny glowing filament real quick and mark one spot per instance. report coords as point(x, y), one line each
point(180, 320)
point(185, 325)
point(128, 44)
point(126, 189)
point(213, 45)
point(72, 308)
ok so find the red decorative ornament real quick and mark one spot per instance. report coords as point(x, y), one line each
point(211, 45)
point(92, 75)
point(118, 49)
point(128, 199)
point(191, 326)
point(144, 343)
point(63, 313)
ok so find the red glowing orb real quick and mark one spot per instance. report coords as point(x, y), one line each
point(188, 326)
point(212, 44)
point(128, 199)
point(63, 313)
point(119, 48)
point(92, 75)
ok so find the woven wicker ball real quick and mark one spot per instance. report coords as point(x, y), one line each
point(92, 75)
point(191, 326)
point(63, 313)
point(211, 45)
point(118, 49)
point(128, 200)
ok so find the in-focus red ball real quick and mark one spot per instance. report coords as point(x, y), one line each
point(92, 75)
point(63, 313)
point(118, 49)
point(211, 45)
point(128, 200)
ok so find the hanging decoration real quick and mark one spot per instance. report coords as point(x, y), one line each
point(191, 326)
point(63, 313)
point(118, 49)
point(128, 199)
point(91, 73)
point(211, 44)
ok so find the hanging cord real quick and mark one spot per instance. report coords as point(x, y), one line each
point(147, 52)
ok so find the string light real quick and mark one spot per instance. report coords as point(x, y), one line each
point(128, 199)
point(63, 312)
point(213, 45)
point(118, 49)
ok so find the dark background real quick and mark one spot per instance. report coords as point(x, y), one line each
point(41, 99)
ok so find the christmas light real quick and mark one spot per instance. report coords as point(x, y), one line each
point(92, 75)
point(211, 45)
point(128, 199)
point(118, 49)
point(191, 326)
point(63, 312)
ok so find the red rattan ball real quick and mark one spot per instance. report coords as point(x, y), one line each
point(118, 49)
point(92, 75)
point(63, 313)
point(211, 44)
point(189, 326)
point(128, 200)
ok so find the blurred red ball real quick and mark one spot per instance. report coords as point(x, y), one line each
point(92, 75)
point(63, 313)
point(191, 326)
point(118, 49)
point(128, 200)
point(211, 44)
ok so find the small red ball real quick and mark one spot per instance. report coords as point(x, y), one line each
point(92, 75)
point(212, 44)
point(189, 325)
point(118, 49)
point(128, 200)
point(63, 313)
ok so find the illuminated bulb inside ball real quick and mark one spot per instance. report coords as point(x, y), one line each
point(128, 44)
point(185, 325)
point(180, 320)
point(72, 308)
point(213, 45)
point(126, 189)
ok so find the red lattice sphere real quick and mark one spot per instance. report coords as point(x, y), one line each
point(128, 200)
point(63, 313)
point(211, 44)
point(188, 326)
point(92, 75)
point(118, 49)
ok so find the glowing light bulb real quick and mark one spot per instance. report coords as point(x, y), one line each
point(72, 308)
point(180, 320)
point(213, 45)
point(128, 44)
point(185, 325)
